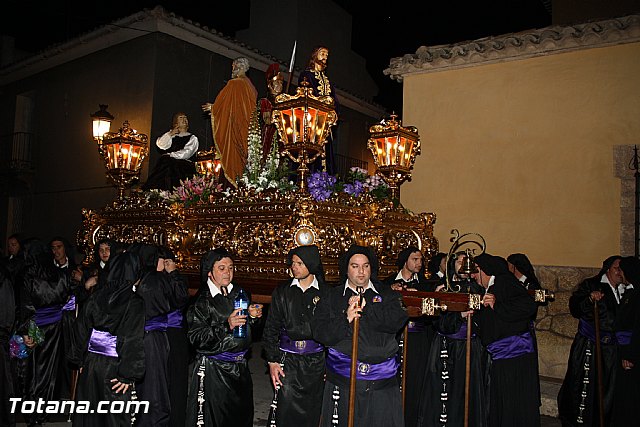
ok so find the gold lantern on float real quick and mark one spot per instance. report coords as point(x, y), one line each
point(394, 150)
point(101, 123)
point(303, 121)
point(123, 153)
point(208, 163)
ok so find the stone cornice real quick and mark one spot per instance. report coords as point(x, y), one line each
point(546, 41)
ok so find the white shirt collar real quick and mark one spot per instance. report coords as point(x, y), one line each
point(523, 278)
point(492, 279)
point(102, 264)
point(440, 274)
point(605, 279)
point(65, 265)
point(314, 284)
point(401, 277)
point(369, 286)
point(214, 290)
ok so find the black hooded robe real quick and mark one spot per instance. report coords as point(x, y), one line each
point(421, 336)
point(378, 402)
point(159, 295)
point(114, 308)
point(225, 386)
point(443, 382)
point(290, 314)
point(514, 384)
point(45, 291)
point(577, 397)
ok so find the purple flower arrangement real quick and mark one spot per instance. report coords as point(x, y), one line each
point(322, 186)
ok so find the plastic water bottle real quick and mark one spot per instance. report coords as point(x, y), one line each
point(242, 302)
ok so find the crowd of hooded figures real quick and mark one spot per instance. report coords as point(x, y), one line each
point(126, 328)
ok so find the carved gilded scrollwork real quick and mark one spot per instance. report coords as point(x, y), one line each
point(259, 229)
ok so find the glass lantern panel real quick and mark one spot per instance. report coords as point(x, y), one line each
point(404, 148)
point(100, 127)
point(320, 124)
point(286, 124)
point(298, 124)
point(135, 156)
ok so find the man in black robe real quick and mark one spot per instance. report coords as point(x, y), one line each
point(443, 383)
point(296, 361)
point(160, 297)
point(503, 322)
point(381, 315)
point(627, 327)
point(578, 396)
point(108, 343)
point(221, 390)
point(45, 290)
point(411, 277)
point(178, 148)
point(521, 267)
point(178, 360)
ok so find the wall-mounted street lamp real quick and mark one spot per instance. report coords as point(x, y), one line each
point(101, 123)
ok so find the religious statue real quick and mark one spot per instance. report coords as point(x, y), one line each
point(230, 117)
point(274, 86)
point(178, 147)
point(315, 75)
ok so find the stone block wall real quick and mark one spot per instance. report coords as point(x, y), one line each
point(555, 327)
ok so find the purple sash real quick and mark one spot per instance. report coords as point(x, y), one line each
point(157, 323)
point(174, 319)
point(588, 331)
point(415, 326)
point(47, 315)
point(340, 364)
point(228, 356)
point(299, 346)
point(624, 337)
point(103, 343)
point(511, 347)
point(460, 335)
point(70, 305)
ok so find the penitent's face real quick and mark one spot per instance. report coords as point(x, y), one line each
point(359, 271)
point(414, 263)
point(298, 268)
point(13, 246)
point(104, 252)
point(59, 253)
point(222, 272)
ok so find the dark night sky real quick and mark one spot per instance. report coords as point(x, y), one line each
point(380, 33)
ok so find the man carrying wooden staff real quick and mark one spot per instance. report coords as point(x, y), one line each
point(380, 316)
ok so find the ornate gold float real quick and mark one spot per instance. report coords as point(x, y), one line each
point(260, 226)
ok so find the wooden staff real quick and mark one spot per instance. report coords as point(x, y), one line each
point(467, 372)
point(405, 340)
point(354, 366)
point(596, 319)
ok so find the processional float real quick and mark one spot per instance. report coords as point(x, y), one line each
point(259, 227)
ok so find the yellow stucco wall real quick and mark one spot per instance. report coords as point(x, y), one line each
point(522, 151)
